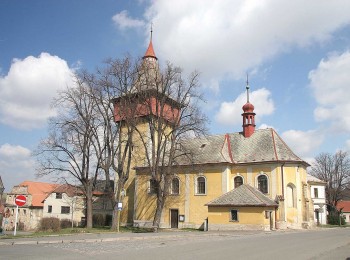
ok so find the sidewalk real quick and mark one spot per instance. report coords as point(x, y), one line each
point(111, 237)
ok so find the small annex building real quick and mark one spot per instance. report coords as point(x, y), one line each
point(242, 208)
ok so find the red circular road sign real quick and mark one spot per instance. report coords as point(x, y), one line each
point(20, 200)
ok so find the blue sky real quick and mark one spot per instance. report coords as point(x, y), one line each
point(295, 52)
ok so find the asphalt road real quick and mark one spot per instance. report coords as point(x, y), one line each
point(305, 244)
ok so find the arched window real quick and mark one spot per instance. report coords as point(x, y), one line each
point(238, 181)
point(175, 186)
point(291, 196)
point(263, 184)
point(201, 185)
point(152, 186)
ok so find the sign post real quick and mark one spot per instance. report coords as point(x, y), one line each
point(20, 200)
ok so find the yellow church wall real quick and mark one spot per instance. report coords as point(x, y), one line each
point(197, 211)
point(192, 205)
point(248, 218)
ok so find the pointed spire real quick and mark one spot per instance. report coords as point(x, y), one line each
point(248, 115)
point(150, 51)
point(247, 88)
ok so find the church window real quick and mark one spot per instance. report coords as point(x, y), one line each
point(263, 183)
point(234, 215)
point(201, 185)
point(175, 186)
point(238, 181)
point(152, 186)
point(316, 193)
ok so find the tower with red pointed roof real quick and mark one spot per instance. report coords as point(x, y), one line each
point(248, 116)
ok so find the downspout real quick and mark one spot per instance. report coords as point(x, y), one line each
point(282, 179)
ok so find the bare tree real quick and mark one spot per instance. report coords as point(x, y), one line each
point(171, 106)
point(335, 170)
point(113, 143)
point(69, 151)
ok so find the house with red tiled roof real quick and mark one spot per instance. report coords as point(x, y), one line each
point(344, 206)
point(62, 201)
point(67, 202)
point(30, 214)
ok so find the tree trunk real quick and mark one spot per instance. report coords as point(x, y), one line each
point(158, 213)
point(89, 209)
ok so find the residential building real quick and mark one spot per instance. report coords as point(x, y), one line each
point(62, 201)
point(65, 202)
point(318, 196)
point(344, 207)
point(30, 214)
point(216, 186)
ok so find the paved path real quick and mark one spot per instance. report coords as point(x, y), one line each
point(109, 237)
point(302, 244)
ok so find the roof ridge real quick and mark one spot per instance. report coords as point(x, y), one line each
point(274, 144)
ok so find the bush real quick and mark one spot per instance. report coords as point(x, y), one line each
point(65, 223)
point(98, 220)
point(333, 219)
point(50, 224)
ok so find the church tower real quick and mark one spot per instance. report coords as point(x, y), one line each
point(248, 116)
point(145, 106)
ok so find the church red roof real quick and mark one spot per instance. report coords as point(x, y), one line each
point(150, 51)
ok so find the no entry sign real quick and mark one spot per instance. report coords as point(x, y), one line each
point(20, 200)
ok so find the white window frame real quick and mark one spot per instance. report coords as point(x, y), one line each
point(196, 185)
point(230, 213)
point(171, 186)
point(257, 182)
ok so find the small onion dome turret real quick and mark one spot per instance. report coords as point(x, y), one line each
point(248, 107)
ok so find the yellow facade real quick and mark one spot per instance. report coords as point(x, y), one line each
point(248, 218)
point(219, 180)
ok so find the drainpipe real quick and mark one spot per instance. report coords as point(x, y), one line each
point(282, 179)
point(282, 174)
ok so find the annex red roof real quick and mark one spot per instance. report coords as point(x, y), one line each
point(39, 191)
point(345, 204)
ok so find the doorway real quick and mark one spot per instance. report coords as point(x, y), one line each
point(174, 218)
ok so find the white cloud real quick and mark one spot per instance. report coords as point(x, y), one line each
point(230, 112)
point(347, 145)
point(303, 143)
point(28, 89)
point(265, 126)
point(330, 86)
point(10, 151)
point(123, 21)
point(16, 165)
point(227, 38)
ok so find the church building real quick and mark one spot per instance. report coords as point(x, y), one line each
point(249, 179)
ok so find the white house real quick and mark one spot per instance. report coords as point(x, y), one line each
point(65, 202)
point(318, 196)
